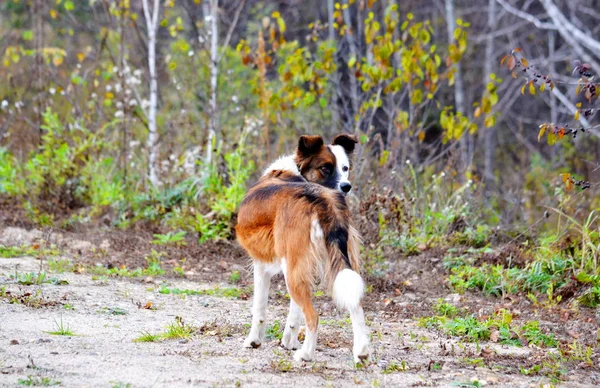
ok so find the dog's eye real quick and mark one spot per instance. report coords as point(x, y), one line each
point(325, 170)
point(345, 168)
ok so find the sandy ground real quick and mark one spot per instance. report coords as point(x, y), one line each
point(102, 352)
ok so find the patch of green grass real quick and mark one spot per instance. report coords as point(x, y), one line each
point(61, 329)
point(533, 334)
point(35, 381)
point(537, 277)
point(235, 277)
point(175, 330)
point(24, 250)
point(120, 384)
point(113, 311)
point(148, 337)
point(500, 325)
point(177, 238)
point(178, 330)
point(60, 265)
point(445, 309)
point(220, 292)
point(31, 278)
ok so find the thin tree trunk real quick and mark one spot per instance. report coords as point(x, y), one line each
point(152, 143)
point(211, 8)
point(353, 54)
point(459, 91)
point(38, 27)
point(490, 133)
point(330, 20)
point(122, 64)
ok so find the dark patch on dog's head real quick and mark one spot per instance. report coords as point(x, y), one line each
point(348, 142)
point(316, 162)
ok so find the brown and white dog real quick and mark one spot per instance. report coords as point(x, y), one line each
point(295, 220)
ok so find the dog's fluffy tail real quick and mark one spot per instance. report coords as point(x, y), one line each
point(341, 256)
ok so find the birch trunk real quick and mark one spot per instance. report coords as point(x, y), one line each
point(211, 8)
point(353, 53)
point(490, 133)
point(152, 144)
point(459, 91)
point(330, 20)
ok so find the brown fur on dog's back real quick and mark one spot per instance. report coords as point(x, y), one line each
point(275, 221)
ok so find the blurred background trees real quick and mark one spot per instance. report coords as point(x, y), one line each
point(165, 110)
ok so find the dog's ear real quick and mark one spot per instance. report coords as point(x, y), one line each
point(309, 145)
point(346, 141)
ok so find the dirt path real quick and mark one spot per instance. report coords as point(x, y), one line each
point(105, 317)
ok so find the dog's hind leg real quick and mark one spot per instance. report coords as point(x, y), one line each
point(262, 282)
point(348, 291)
point(300, 294)
point(292, 326)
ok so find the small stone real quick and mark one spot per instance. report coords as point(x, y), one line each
point(184, 341)
point(54, 353)
point(149, 279)
point(14, 342)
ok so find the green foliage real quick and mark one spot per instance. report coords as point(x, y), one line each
point(220, 292)
point(35, 381)
point(274, 331)
point(539, 276)
point(177, 238)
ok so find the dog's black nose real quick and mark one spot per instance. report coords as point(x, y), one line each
point(345, 187)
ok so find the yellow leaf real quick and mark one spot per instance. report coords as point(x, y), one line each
point(543, 128)
point(577, 114)
point(53, 14)
point(57, 60)
point(477, 112)
point(542, 87)
point(80, 57)
point(531, 88)
point(523, 89)
point(524, 62)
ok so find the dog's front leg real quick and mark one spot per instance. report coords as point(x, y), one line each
point(262, 282)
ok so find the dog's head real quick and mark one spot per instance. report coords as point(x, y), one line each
point(327, 165)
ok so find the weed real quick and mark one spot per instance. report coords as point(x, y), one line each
point(34, 250)
point(61, 329)
point(148, 337)
point(445, 309)
point(532, 333)
point(282, 364)
point(114, 311)
point(119, 384)
point(154, 267)
point(34, 381)
point(238, 293)
point(392, 367)
point(178, 330)
point(274, 331)
point(235, 277)
point(60, 265)
point(30, 278)
point(170, 238)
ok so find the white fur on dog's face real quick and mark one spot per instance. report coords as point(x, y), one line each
point(342, 165)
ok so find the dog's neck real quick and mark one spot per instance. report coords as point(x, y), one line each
point(284, 163)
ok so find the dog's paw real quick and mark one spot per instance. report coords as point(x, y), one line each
point(362, 354)
point(302, 355)
point(290, 341)
point(252, 343)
